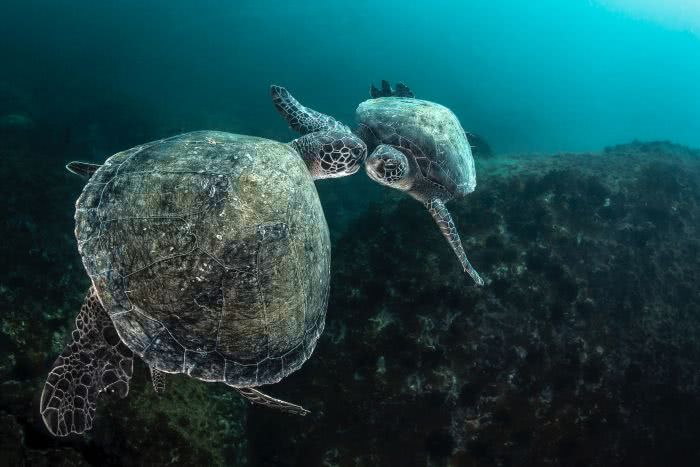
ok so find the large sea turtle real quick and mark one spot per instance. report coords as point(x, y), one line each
point(416, 146)
point(209, 255)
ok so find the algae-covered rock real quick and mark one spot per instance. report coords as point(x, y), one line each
point(581, 349)
point(192, 423)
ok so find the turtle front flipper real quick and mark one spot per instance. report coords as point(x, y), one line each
point(302, 119)
point(95, 361)
point(447, 226)
point(260, 398)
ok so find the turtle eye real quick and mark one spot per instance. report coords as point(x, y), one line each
point(390, 165)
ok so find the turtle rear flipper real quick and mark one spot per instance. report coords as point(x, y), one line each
point(84, 169)
point(403, 91)
point(261, 398)
point(95, 361)
point(387, 91)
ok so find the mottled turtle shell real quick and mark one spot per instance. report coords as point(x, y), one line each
point(429, 132)
point(211, 254)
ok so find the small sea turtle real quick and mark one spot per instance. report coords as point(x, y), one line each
point(416, 146)
point(209, 255)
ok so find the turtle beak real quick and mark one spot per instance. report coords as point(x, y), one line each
point(374, 166)
point(359, 153)
point(353, 170)
point(355, 162)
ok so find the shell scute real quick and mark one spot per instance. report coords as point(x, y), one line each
point(211, 253)
point(428, 132)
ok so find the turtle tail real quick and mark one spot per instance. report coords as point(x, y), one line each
point(303, 119)
point(96, 360)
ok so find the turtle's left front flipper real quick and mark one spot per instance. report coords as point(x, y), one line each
point(447, 226)
point(95, 361)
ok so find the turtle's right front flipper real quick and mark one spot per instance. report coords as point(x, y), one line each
point(303, 119)
point(95, 361)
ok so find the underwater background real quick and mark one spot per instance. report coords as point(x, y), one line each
point(582, 349)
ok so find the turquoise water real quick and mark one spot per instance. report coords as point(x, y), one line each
point(529, 76)
point(581, 348)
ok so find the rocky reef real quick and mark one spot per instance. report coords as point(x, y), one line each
point(581, 349)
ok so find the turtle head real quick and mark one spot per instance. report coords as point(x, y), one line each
point(389, 166)
point(331, 153)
